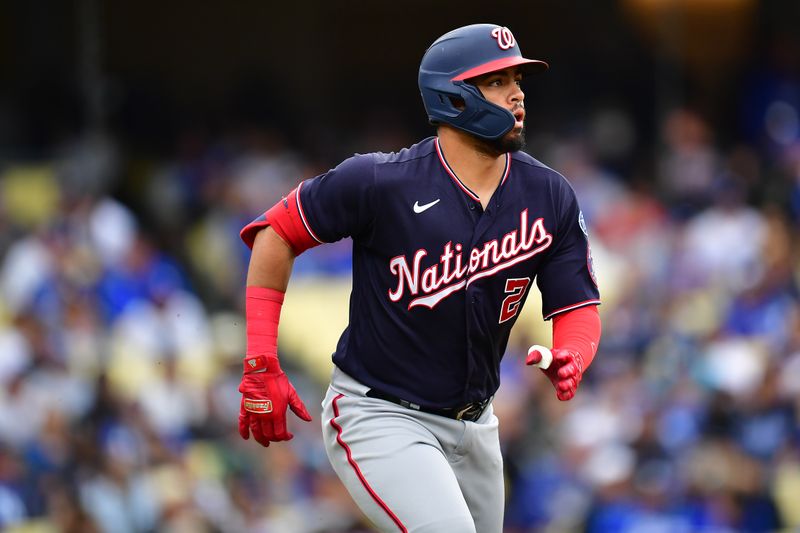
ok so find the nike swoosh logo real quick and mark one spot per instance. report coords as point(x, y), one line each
point(420, 208)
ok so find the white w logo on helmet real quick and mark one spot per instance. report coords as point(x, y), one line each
point(505, 39)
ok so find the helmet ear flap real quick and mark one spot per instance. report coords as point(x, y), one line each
point(457, 102)
point(480, 117)
point(442, 99)
point(462, 105)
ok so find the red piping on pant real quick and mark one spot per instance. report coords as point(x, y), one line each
point(357, 470)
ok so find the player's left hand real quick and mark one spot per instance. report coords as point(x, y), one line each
point(565, 371)
point(266, 395)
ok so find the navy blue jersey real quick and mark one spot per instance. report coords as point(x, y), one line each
point(438, 281)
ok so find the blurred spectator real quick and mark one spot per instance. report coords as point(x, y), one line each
point(121, 335)
point(688, 163)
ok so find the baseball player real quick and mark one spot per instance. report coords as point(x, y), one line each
point(449, 236)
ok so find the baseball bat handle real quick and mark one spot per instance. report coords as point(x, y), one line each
point(546, 356)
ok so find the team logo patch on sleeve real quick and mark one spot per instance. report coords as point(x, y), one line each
point(590, 263)
point(589, 259)
point(582, 223)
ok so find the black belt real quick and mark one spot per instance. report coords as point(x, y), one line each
point(471, 411)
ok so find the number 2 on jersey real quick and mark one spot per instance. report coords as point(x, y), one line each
point(515, 287)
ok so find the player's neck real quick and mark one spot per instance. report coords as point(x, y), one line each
point(476, 166)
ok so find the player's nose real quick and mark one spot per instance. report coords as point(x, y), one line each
point(517, 95)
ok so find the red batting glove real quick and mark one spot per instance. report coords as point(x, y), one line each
point(565, 371)
point(266, 393)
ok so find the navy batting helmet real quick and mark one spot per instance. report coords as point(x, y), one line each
point(462, 54)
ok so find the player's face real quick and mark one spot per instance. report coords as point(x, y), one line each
point(503, 89)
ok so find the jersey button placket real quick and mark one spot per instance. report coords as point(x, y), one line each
point(472, 300)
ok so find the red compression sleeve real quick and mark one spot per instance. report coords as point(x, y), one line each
point(578, 330)
point(263, 312)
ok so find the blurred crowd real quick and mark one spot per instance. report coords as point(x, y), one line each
point(121, 338)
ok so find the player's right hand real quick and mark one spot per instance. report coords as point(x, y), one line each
point(564, 372)
point(266, 394)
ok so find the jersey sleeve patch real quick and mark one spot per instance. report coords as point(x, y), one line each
point(590, 264)
point(582, 223)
